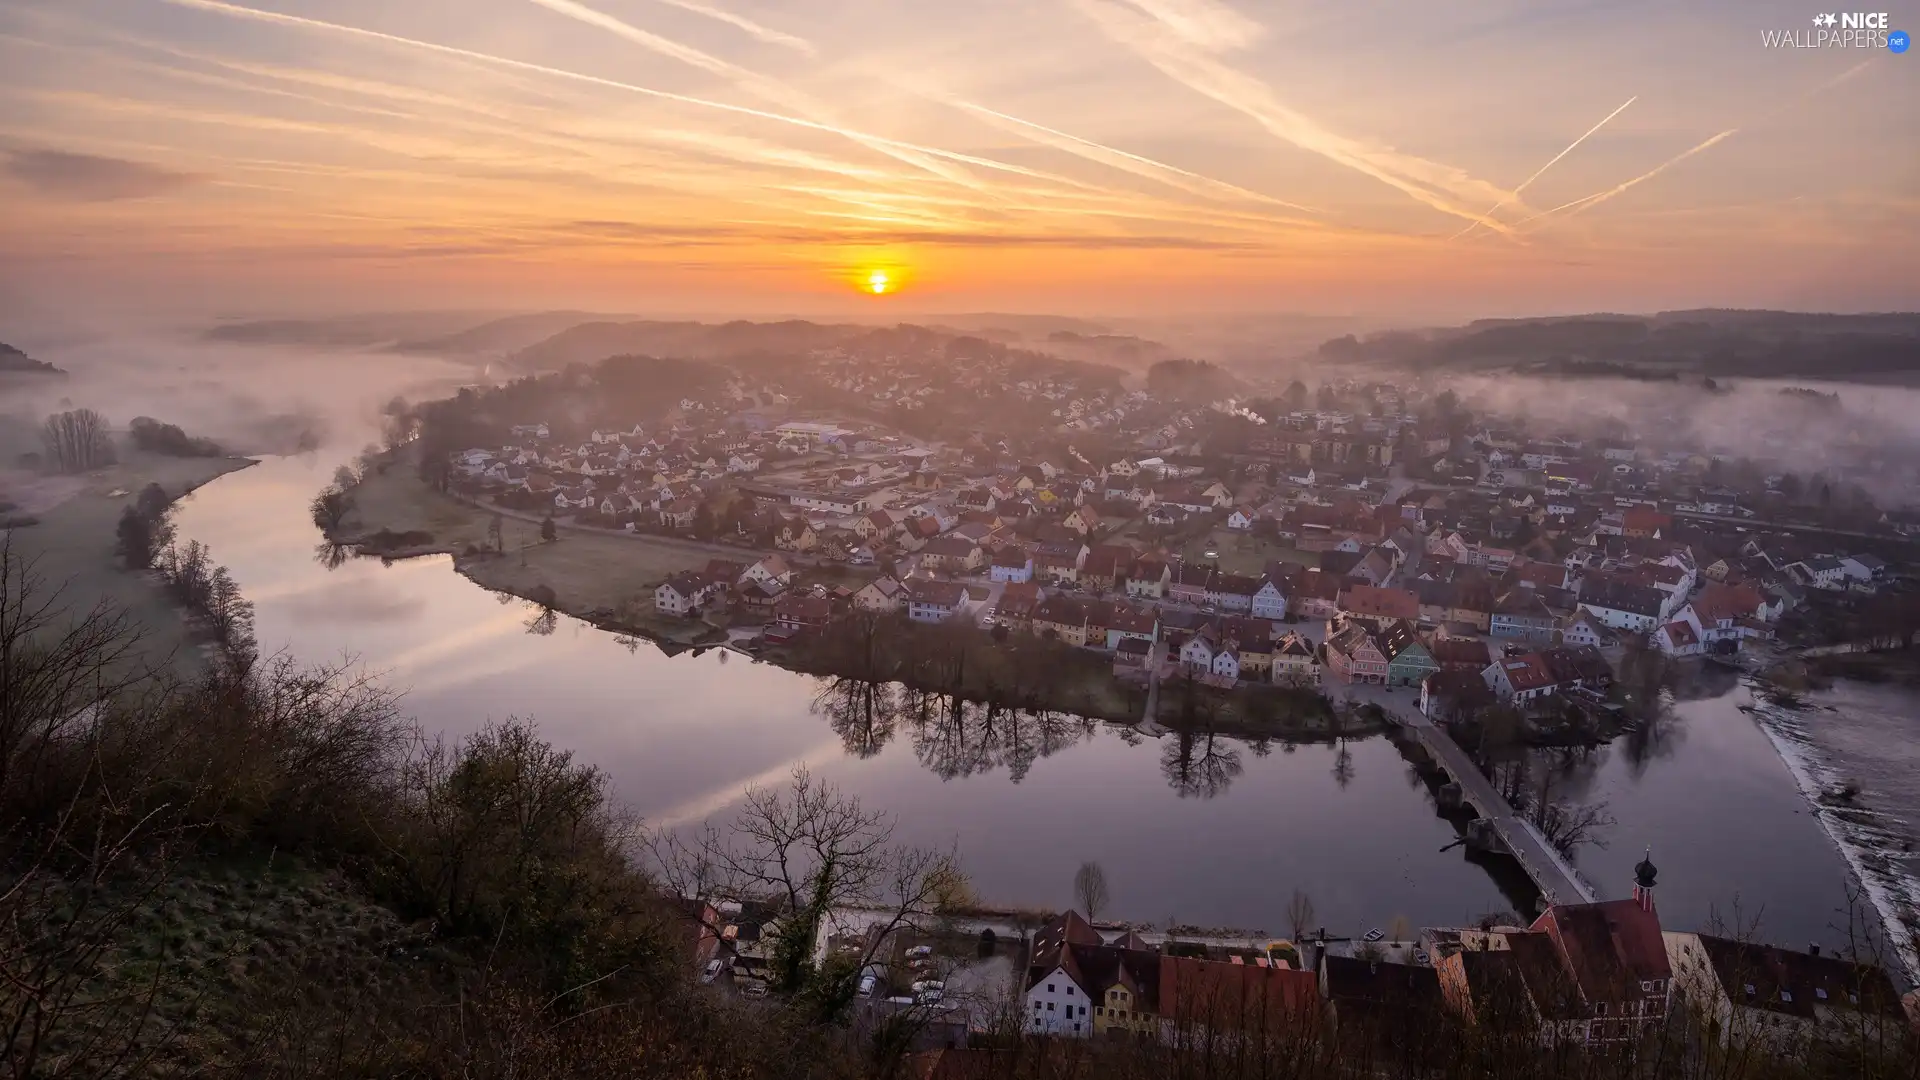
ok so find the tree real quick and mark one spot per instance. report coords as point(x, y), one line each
point(815, 851)
point(494, 525)
point(1090, 889)
point(153, 502)
point(76, 440)
point(134, 542)
point(330, 508)
point(988, 939)
point(1295, 397)
point(1300, 914)
point(548, 531)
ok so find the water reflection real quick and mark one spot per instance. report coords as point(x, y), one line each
point(1199, 764)
point(954, 738)
point(864, 714)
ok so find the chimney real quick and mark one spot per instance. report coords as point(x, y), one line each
point(1813, 949)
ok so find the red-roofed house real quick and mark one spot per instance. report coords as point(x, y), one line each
point(1200, 1001)
point(1378, 606)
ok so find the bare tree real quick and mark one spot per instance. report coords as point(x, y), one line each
point(329, 509)
point(1090, 889)
point(818, 854)
point(1300, 914)
point(77, 440)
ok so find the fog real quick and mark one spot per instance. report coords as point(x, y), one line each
point(252, 399)
point(1870, 436)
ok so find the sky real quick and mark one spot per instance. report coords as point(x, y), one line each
point(1096, 157)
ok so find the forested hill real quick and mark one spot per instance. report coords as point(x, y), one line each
point(12, 359)
point(1710, 342)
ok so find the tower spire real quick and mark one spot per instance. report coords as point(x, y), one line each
point(1643, 876)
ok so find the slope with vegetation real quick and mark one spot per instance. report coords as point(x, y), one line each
point(12, 359)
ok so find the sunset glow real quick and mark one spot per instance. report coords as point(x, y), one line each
point(1112, 154)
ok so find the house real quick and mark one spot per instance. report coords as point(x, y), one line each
point(801, 611)
point(1460, 654)
point(1011, 564)
point(1820, 573)
point(883, 594)
point(1055, 1000)
point(1232, 592)
point(1520, 679)
point(1453, 694)
point(1296, 662)
point(1645, 521)
point(1148, 579)
point(955, 553)
point(795, 534)
point(1056, 566)
point(1270, 600)
point(1522, 615)
point(875, 525)
point(1866, 570)
point(1241, 519)
point(1680, 638)
point(1107, 566)
point(935, 601)
point(1189, 583)
point(1353, 656)
point(1083, 520)
point(1585, 974)
point(1370, 999)
point(682, 594)
point(1583, 627)
point(1063, 618)
point(1198, 652)
point(1203, 1002)
point(1622, 606)
point(1408, 661)
point(1226, 664)
point(1124, 624)
point(1375, 605)
point(772, 572)
point(1780, 1000)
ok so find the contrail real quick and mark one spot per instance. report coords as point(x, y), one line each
point(769, 89)
point(1515, 193)
point(1105, 149)
point(754, 29)
point(220, 7)
point(1579, 206)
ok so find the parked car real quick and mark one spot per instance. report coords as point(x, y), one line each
point(868, 984)
point(755, 989)
point(713, 970)
point(929, 986)
point(920, 950)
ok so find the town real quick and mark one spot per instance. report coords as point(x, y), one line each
point(1388, 547)
point(1597, 976)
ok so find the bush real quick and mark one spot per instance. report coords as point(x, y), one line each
point(155, 437)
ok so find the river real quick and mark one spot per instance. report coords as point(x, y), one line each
point(1211, 832)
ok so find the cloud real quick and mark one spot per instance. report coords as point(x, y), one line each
point(87, 178)
point(1537, 173)
point(1443, 187)
point(1204, 23)
point(753, 29)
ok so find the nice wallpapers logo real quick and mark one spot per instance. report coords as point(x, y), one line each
point(1841, 30)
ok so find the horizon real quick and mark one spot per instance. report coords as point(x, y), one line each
point(1092, 158)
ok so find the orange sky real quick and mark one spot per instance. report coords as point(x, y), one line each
point(1088, 156)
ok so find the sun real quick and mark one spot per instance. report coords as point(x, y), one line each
point(879, 282)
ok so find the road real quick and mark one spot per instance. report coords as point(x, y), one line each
point(1558, 881)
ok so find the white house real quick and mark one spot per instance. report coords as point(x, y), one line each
point(771, 572)
point(881, 594)
point(1058, 1005)
point(1821, 573)
point(1226, 663)
point(682, 593)
point(1270, 601)
point(1011, 565)
point(1584, 628)
point(1681, 637)
point(935, 601)
point(1862, 569)
point(1240, 519)
point(1197, 654)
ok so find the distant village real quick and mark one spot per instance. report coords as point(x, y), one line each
point(1360, 553)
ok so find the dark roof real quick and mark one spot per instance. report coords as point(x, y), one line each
point(1795, 982)
point(1051, 940)
point(1610, 947)
point(1395, 638)
point(1010, 558)
point(1600, 591)
point(1463, 652)
point(1366, 986)
point(1522, 602)
point(938, 593)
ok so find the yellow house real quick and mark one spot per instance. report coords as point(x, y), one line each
point(1063, 618)
point(796, 535)
point(1127, 1002)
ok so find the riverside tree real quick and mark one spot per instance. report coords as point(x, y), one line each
point(1090, 889)
point(77, 440)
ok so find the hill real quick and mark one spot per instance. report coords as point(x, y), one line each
point(1781, 344)
point(1192, 380)
point(508, 335)
point(12, 359)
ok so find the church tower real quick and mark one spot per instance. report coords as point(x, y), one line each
point(1643, 875)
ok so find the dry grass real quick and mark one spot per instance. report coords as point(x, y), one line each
point(1243, 552)
point(73, 544)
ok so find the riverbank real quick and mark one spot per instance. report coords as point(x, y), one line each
point(71, 543)
point(607, 580)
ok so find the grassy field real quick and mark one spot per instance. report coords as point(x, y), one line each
point(1244, 553)
point(72, 545)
